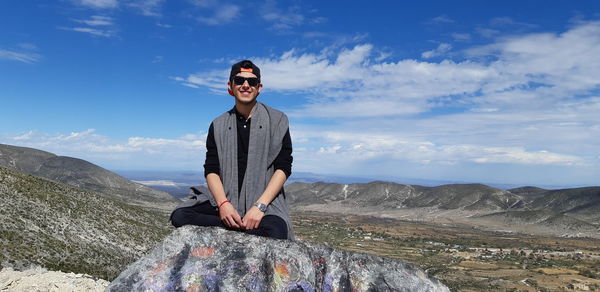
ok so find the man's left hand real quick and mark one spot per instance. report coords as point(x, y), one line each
point(252, 218)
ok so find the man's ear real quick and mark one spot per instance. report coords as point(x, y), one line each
point(229, 88)
point(259, 89)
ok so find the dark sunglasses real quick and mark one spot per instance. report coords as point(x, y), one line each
point(239, 80)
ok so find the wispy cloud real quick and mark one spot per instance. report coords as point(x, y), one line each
point(282, 19)
point(21, 55)
point(507, 21)
point(147, 7)
point(442, 49)
point(92, 31)
point(215, 12)
point(221, 15)
point(98, 4)
point(441, 19)
point(97, 20)
point(461, 36)
point(90, 145)
point(357, 146)
point(285, 19)
point(97, 25)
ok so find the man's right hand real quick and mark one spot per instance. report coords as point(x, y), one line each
point(230, 216)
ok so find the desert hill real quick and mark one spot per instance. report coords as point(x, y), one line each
point(61, 227)
point(83, 174)
point(563, 212)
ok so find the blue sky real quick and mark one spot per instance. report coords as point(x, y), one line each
point(475, 91)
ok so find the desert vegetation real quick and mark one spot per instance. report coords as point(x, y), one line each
point(463, 257)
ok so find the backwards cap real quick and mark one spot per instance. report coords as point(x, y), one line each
point(244, 66)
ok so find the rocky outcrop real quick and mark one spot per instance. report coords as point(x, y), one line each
point(212, 259)
point(40, 279)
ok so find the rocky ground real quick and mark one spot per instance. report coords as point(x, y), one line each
point(40, 279)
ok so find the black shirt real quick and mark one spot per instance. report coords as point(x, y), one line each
point(283, 160)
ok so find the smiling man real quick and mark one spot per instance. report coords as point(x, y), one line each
point(248, 159)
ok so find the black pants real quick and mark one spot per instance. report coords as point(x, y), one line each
point(206, 215)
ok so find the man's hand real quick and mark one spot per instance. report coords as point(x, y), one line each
point(230, 216)
point(252, 218)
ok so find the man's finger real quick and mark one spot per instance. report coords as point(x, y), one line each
point(232, 222)
point(237, 219)
point(226, 222)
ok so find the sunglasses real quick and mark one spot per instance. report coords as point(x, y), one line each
point(239, 80)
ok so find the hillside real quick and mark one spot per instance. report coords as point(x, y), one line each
point(85, 175)
point(564, 212)
point(61, 227)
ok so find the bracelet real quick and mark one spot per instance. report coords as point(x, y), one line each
point(226, 201)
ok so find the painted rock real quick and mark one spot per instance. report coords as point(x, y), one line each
point(196, 258)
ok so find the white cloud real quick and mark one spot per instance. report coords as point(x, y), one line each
point(525, 71)
point(461, 36)
point(528, 100)
point(24, 56)
point(163, 25)
point(97, 20)
point(221, 14)
point(204, 3)
point(507, 21)
point(147, 7)
point(98, 4)
point(98, 25)
point(442, 19)
point(355, 146)
point(442, 49)
point(25, 136)
point(285, 19)
point(184, 151)
point(92, 31)
point(487, 32)
point(282, 20)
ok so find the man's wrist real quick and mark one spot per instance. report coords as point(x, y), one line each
point(224, 202)
point(262, 207)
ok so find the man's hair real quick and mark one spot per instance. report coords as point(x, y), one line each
point(244, 66)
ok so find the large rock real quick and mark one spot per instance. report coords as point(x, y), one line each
point(213, 259)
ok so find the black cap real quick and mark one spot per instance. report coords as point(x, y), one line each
point(244, 66)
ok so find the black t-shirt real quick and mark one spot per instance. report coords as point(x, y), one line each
point(283, 160)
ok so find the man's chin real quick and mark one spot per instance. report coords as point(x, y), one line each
point(246, 99)
point(246, 102)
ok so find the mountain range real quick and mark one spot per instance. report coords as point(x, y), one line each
point(85, 175)
point(562, 212)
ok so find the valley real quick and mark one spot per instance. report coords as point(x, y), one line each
point(463, 257)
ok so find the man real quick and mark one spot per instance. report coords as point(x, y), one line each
point(248, 159)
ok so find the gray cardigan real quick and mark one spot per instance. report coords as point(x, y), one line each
point(267, 130)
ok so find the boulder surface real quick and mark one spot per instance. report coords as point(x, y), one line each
point(196, 258)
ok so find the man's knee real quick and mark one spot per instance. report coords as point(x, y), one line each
point(179, 218)
point(274, 227)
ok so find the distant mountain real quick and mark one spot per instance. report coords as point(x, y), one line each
point(569, 211)
point(176, 183)
point(65, 228)
point(387, 195)
point(83, 174)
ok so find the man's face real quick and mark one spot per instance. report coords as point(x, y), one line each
point(244, 93)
